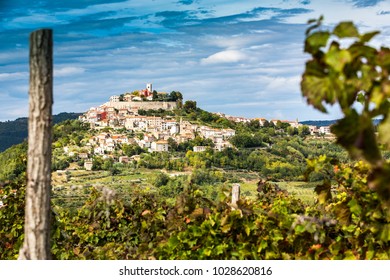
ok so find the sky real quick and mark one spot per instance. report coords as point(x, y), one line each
point(241, 58)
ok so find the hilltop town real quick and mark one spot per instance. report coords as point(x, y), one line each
point(125, 113)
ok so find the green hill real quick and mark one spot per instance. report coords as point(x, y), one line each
point(14, 132)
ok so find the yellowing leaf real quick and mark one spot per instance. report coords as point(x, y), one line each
point(337, 58)
point(226, 228)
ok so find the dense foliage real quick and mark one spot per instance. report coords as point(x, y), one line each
point(346, 70)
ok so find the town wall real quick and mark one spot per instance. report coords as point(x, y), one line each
point(147, 105)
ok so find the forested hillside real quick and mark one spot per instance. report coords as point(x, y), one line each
point(319, 123)
point(14, 132)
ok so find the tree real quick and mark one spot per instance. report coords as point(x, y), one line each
point(292, 130)
point(303, 130)
point(155, 95)
point(254, 124)
point(189, 106)
point(352, 74)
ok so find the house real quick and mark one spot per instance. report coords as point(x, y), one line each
point(98, 151)
point(83, 156)
point(88, 165)
point(294, 124)
point(262, 121)
point(222, 145)
point(274, 122)
point(135, 157)
point(198, 149)
point(123, 159)
point(159, 146)
point(114, 98)
point(324, 130)
point(313, 129)
point(228, 132)
point(110, 147)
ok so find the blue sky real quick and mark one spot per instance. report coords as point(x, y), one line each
point(243, 58)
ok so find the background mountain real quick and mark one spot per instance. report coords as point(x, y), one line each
point(328, 122)
point(14, 132)
point(319, 123)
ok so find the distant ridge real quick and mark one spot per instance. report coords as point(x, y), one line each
point(328, 122)
point(319, 123)
point(14, 132)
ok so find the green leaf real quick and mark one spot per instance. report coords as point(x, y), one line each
point(349, 255)
point(370, 254)
point(318, 90)
point(299, 229)
point(361, 98)
point(346, 29)
point(263, 245)
point(174, 241)
point(385, 234)
point(354, 207)
point(316, 41)
point(383, 130)
point(368, 36)
point(337, 58)
point(356, 134)
point(247, 229)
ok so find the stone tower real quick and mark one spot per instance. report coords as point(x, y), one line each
point(149, 87)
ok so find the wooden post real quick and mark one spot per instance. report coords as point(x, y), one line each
point(235, 194)
point(37, 215)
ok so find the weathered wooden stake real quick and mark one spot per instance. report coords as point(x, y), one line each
point(37, 215)
point(235, 194)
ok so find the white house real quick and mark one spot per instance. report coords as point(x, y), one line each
point(114, 98)
point(325, 130)
point(159, 146)
point(198, 149)
point(88, 165)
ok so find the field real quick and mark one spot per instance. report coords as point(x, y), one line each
point(73, 187)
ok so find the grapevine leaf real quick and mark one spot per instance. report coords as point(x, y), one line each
point(318, 90)
point(383, 129)
point(356, 134)
point(337, 58)
point(316, 41)
point(384, 57)
point(346, 29)
point(323, 192)
point(354, 207)
point(379, 181)
point(343, 214)
point(368, 36)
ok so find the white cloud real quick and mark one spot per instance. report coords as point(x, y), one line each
point(229, 56)
point(68, 71)
point(13, 76)
point(282, 84)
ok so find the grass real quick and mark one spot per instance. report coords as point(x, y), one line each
point(73, 187)
point(302, 190)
